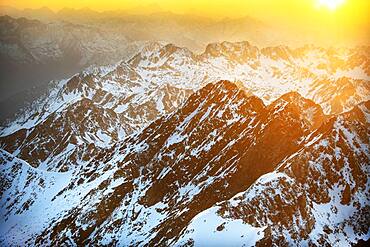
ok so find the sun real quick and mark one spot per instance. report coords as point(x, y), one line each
point(330, 4)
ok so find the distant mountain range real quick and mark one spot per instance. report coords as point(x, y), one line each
point(56, 47)
point(43, 52)
point(47, 45)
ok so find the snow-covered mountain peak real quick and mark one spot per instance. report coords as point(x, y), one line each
point(158, 55)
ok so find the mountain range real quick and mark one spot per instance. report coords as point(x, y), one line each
point(237, 145)
point(118, 100)
point(46, 46)
point(56, 47)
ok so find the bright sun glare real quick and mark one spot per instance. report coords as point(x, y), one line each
point(330, 4)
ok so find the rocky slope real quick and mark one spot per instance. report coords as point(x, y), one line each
point(224, 167)
point(318, 196)
point(94, 109)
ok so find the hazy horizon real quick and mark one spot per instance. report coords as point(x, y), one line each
point(312, 20)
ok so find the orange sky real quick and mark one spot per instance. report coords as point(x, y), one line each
point(356, 9)
point(351, 18)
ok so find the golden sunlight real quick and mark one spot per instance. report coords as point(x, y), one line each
point(329, 22)
point(331, 4)
point(184, 123)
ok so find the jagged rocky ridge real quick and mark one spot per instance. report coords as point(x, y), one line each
point(116, 101)
point(92, 110)
point(223, 167)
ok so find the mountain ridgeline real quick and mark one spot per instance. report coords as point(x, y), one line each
point(103, 105)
